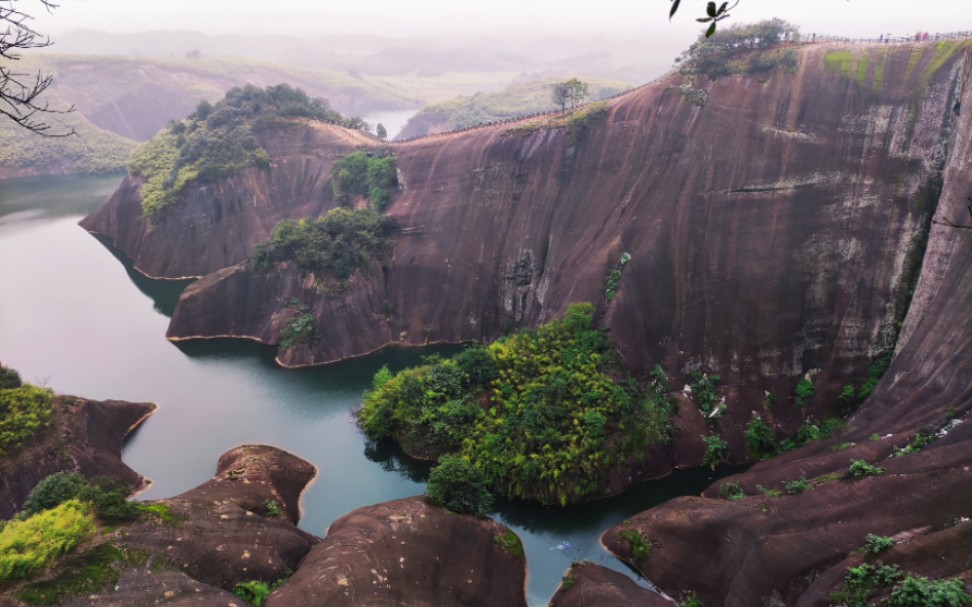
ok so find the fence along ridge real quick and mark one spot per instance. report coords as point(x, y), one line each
point(810, 40)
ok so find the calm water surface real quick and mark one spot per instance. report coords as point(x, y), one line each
point(74, 317)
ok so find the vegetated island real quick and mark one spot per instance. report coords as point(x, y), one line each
point(543, 414)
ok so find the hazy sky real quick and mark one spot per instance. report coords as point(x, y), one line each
point(317, 18)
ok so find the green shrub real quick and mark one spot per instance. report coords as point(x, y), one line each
point(511, 542)
point(272, 508)
point(798, 486)
point(368, 174)
point(876, 544)
point(848, 396)
point(548, 419)
point(254, 592)
point(158, 510)
point(704, 392)
point(691, 601)
point(333, 246)
point(9, 378)
point(640, 546)
point(860, 583)
point(301, 330)
point(760, 439)
point(53, 491)
point(731, 491)
point(860, 468)
point(457, 485)
point(715, 450)
point(875, 371)
point(923, 592)
point(29, 545)
point(24, 411)
point(109, 496)
point(804, 391)
point(740, 48)
point(614, 276)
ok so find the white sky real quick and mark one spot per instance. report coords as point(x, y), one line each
point(407, 18)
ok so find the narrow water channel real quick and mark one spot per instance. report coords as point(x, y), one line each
point(75, 318)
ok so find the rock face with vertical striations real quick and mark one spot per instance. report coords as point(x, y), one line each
point(795, 549)
point(772, 232)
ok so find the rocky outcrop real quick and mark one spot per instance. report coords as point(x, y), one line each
point(770, 234)
point(407, 552)
point(216, 225)
point(84, 436)
point(794, 550)
point(226, 530)
point(590, 585)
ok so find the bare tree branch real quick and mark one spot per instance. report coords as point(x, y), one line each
point(20, 91)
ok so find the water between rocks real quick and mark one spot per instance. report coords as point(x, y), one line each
point(77, 318)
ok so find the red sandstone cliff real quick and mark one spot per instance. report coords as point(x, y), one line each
point(769, 230)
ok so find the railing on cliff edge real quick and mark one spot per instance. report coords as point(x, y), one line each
point(807, 40)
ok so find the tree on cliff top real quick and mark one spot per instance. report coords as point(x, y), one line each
point(20, 91)
point(713, 56)
point(571, 92)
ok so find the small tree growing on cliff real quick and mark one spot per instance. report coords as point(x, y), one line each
point(570, 92)
point(381, 132)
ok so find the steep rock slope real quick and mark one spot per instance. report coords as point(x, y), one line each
point(796, 549)
point(770, 231)
point(216, 225)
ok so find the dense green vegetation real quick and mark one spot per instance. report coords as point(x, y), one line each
point(640, 547)
point(715, 450)
point(369, 175)
point(107, 496)
point(96, 570)
point(91, 150)
point(331, 246)
point(544, 414)
point(741, 49)
point(457, 485)
point(217, 140)
point(760, 439)
point(301, 330)
point(861, 583)
point(30, 544)
point(704, 391)
point(255, 592)
point(24, 411)
point(859, 468)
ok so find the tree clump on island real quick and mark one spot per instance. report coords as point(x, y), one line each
point(543, 415)
point(219, 139)
point(741, 49)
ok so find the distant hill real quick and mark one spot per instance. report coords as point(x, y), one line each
point(516, 100)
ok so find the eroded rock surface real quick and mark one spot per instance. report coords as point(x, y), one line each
point(795, 549)
point(84, 436)
point(590, 585)
point(224, 531)
point(407, 552)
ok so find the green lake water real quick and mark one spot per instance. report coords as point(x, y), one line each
point(75, 318)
